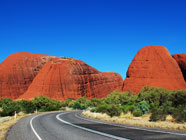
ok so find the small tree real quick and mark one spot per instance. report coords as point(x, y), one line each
point(43, 104)
point(10, 108)
point(113, 110)
point(179, 113)
point(94, 102)
point(144, 107)
point(137, 113)
point(102, 108)
point(76, 105)
point(27, 106)
point(130, 107)
point(5, 101)
point(84, 106)
point(82, 100)
point(158, 114)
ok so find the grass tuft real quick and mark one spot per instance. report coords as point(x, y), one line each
point(143, 121)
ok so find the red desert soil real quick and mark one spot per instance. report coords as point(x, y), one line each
point(181, 60)
point(70, 78)
point(154, 66)
point(18, 71)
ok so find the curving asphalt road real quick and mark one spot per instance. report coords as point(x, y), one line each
point(73, 126)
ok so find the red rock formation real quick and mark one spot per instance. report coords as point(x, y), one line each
point(153, 66)
point(70, 78)
point(181, 60)
point(18, 71)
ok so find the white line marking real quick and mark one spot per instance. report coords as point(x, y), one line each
point(130, 127)
point(36, 134)
point(86, 129)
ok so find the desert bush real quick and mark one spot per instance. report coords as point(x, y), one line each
point(9, 109)
point(95, 102)
point(137, 113)
point(113, 98)
point(178, 97)
point(127, 97)
point(92, 110)
point(144, 107)
point(76, 105)
point(158, 114)
point(27, 106)
point(130, 107)
point(84, 106)
point(45, 104)
point(82, 100)
point(179, 113)
point(113, 110)
point(68, 101)
point(102, 108)
point(5, 101)
point(154, 95)
point(79, 106)
point(63, 104)
point(71, 104)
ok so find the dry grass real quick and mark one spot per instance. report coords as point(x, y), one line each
point(5, 125)
point(138, 121)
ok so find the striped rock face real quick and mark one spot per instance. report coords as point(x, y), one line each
point(70, 78)
point(18, 71)
point(181, 60)
point(153, 66)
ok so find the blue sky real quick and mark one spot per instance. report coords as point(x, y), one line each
point(106, 34)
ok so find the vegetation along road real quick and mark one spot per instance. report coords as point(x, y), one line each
point(71, 125)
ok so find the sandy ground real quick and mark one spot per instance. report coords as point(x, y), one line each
point(143, 121)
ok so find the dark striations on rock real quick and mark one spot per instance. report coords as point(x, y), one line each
point(181, 60)
point(153, 66)
point(70, 78)
point(18, 71)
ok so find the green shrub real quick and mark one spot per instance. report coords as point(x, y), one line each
point(113, 98)
point(63, 104)
point(127, 97)
point(10, 108)
point(27, 106)
point(93, 110)
point(79, 106)
point(84, 106)
point(178, 97)
point(137, 113)
point(144, 107)
point(45, 104)
point(158, 114)
point(68, 101)
point(102, 108)
point(82, 100)
point(130, 107)
point(76, 105)
point(154, 95)
point(95, 102)
point(179, 114)
point(113, 110)
point(5, 101)
point(71, 104)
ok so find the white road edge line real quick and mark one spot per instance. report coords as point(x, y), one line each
point(36, 134)
point(86, 129)
point(130, 127)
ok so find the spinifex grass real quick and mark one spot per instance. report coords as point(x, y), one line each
point(143, 121)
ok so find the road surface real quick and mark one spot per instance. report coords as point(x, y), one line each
point(73, 126)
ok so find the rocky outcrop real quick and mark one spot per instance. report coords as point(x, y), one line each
point(18, 71)
point(64, 78)
point(181, 60)
point(153, 66)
